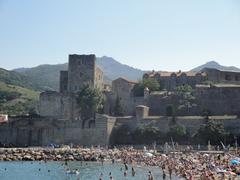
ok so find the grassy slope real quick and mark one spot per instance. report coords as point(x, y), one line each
point(22, 104)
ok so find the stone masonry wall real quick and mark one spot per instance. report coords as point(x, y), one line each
point(44, 131)
point(81, 71)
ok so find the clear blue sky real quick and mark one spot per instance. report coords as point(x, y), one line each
point(146, 34)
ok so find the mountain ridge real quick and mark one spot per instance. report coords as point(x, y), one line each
point(215, 65)
point(47, 76)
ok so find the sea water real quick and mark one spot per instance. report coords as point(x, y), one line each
point(57, 170)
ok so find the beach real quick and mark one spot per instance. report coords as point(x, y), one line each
point(187, 165)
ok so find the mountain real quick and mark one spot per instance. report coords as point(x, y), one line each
point(47, 76)
point(215, 65)
point(113, 69)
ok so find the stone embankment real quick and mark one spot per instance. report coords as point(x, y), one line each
point(26, 154)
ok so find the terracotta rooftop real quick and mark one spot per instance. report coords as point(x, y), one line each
point(129, 81)
point(179, 73)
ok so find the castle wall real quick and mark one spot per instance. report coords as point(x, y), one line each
point(191, 123)
point(58, 105)
point(123, 89)
point(63, 81)
point(219, 100)
point(99, 79)
point(45, 131)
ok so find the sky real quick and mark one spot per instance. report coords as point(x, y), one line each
point(146, 34)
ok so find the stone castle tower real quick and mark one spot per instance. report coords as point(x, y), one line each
point(82, 70)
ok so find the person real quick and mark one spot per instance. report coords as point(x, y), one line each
point(150, 176)
point(164, 175)
point(170, 172)
point(133, 172)
point(125, 173)
point(100, 177)
point(126, 166)
point(111, 178)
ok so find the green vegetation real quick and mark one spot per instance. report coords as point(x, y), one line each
point(170, 110)
point(17, 79)
point(118, 110)
point(211, 131)
point(90, 101)
point(177, 132)
point(146, 134)
point(16, 100)
point(151, 83)
point(184, 98)
point(122, 135)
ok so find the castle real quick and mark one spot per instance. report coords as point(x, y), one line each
point(60, 120)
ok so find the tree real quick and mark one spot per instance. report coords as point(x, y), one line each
point(170, 110)
point(212, 131)
point(90, 101)
point(138, 89)
point(118, 111)
point(206, 113)
point(185, 98)
point(122, 135)
point(146, 134)
point(177, 132)
point(151, 83)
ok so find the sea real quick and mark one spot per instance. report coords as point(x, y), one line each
point(18, 170)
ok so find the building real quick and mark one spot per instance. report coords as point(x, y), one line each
point(82, 71)
point(219, 76)
point(170, 80)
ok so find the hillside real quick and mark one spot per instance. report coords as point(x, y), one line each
point(18, 79)
point(44, 76)
point(16, 100)
point(47, 76)
point(215, 65)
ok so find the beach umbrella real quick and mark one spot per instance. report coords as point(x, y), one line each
point(235, 162)
point(149, 154)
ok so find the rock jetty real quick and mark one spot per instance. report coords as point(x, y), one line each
point(41, 154)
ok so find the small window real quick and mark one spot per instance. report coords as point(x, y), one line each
point(227, 77)
point(237, 78)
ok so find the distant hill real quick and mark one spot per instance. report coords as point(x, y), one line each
point(47, 76)
point(113, 69)
point(44, 76)
point(16, 100)
point(215, 65)
point(18, 79)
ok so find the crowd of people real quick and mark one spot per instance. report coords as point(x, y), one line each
point(188, 165)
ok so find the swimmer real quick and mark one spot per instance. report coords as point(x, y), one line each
point(133, 172)
point(125, 173)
